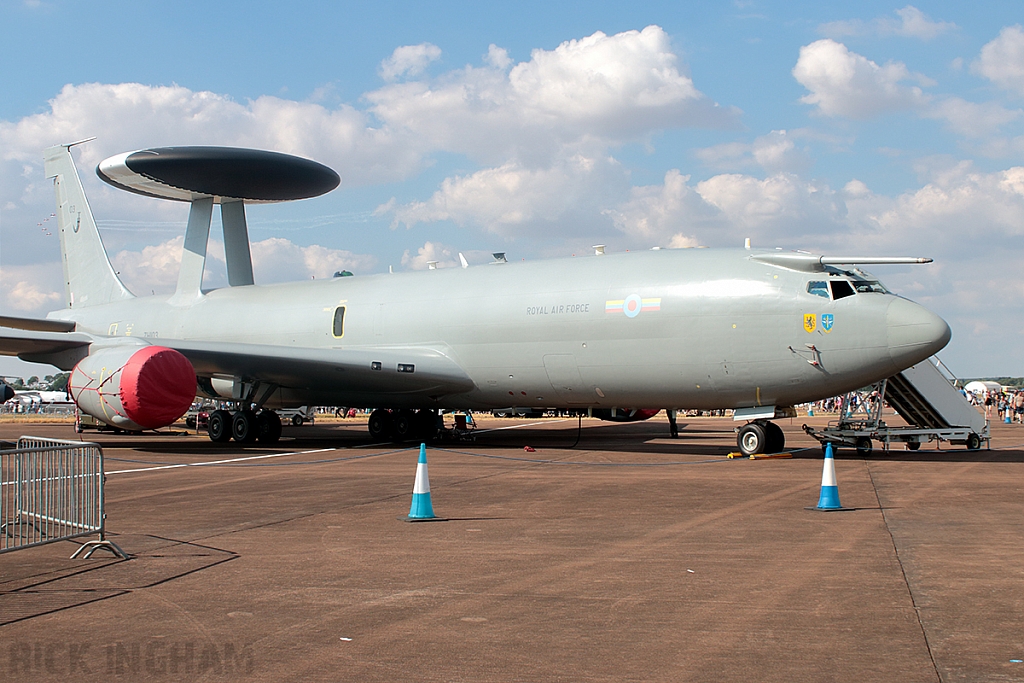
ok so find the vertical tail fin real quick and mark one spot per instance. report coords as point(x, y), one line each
point(89, 279)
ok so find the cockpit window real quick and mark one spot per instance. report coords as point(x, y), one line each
point(817, 288)
point(868, 286)
point(841, 289)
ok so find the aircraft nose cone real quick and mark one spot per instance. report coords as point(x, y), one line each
point(914, 332)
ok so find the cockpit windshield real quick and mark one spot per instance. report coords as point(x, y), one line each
point(839, 289)
point(817, 288)
point(870, 286)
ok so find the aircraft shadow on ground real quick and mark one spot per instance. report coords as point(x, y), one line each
point(951, 455)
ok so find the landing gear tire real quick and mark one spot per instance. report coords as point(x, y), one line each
point(404, 425)
point(269, 424)
point(775, 439)
point(426, 424)
point(379, 425)
point(218, 426)
point(973, 442)
point(913, 445)
point(864, 446)
point(245, 427)
point(751, 439)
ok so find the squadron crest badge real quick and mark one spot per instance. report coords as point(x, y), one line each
point(810, 322)
point(827, 320)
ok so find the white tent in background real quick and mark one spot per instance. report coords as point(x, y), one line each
point(981, 386)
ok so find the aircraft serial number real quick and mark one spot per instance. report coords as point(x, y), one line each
point(560, 309)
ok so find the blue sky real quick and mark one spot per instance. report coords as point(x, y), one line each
point(540, 129)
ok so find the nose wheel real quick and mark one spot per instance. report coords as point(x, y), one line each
point(760, 437)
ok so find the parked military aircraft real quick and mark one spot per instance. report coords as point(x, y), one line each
point(753, 330)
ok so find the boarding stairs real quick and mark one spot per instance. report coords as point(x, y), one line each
point(926, 397)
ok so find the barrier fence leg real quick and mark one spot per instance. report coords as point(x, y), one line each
point(89, 547)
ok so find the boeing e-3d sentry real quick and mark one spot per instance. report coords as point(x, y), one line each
point(752, 330)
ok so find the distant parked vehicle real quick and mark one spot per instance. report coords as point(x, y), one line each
point(297, 416)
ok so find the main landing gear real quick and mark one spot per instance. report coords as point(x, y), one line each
point(244, 426)
point(760, 436)
point(402, 425)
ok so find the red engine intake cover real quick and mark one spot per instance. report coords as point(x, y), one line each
point(158, 386)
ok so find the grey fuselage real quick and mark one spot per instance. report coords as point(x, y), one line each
point(693, 328)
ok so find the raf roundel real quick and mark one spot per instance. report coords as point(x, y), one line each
point(632, 305)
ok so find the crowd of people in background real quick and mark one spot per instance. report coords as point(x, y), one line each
point(1005, 406)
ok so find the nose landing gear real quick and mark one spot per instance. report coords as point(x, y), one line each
point(760, 436)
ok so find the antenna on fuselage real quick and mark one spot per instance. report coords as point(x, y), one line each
point(204, 176)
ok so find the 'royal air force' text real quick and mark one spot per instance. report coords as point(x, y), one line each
point(558, 310)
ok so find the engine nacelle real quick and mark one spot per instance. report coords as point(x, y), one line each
point(624, 414)
point(134, 387)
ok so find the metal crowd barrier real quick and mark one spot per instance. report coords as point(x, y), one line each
point(52, 490)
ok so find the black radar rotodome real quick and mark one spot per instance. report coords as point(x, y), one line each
point(230, 172)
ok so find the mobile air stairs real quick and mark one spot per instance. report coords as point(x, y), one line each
point(924, 396)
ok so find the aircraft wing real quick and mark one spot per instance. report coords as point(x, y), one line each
point(36, 342)
point(377, 370)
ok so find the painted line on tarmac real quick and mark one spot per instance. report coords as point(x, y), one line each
point(220, 462)
point(475, 431)
point(529, 424)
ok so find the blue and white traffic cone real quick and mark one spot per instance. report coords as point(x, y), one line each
point(828, 501)
point(421, 510)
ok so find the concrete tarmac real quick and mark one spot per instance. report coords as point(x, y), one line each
point(629, 557)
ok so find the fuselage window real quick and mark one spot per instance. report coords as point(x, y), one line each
point(817, 288)
point(339, 322)
point(841, 288)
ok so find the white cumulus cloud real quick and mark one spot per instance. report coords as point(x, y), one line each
point(595, 91)
point(844, 83)
point(513, 199)
point(672, 212)
point(972, 119)
point(910, 23)
point(776, 151)
point(444, 256)
point(1002, 60)
point(409, 60)
point(28, 296)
